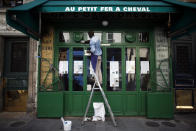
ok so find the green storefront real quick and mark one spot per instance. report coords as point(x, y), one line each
point(136, 62)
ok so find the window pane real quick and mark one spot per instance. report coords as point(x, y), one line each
point(130, 69)
point(78, 69)
point(64, 37)
point(19, 57)
point(144, 68)
point(143, 37)
point(63, 67)
point(114, 70)
point(183, 59)
point(114, 37)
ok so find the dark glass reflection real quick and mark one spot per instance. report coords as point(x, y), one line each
point(130, 69)
point(19, 57)
point(143, 37)
point(144, 69)
point(78, 69)
point(114, 69)
point(64, 74)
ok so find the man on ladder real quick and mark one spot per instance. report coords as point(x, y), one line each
point(96, 52)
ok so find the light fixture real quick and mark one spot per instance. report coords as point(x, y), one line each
point(105, 23)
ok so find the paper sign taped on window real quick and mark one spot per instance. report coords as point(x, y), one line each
point(78, 67)
point(144, 67)
point(130, 67)
point(63, 67)
point(117, 37)
point(66, 36)
point(114, 74)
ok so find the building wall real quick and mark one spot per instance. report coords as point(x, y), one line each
point(1, 71)
point(7, 32)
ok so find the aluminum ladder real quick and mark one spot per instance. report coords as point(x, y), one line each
point(105, 99)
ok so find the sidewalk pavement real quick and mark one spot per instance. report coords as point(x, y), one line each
point(21, 121)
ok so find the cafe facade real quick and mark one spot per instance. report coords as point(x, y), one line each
point(136, 43)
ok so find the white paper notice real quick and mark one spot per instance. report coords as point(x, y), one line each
point(144, 67)
point(130, 67)
point(63, 67)
point(117, 37)
point(66, 36)
point(114, 74)
point(78, 67)
point(89, 87)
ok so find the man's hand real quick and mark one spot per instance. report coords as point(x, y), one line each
point(87, 52)
point(85, 42)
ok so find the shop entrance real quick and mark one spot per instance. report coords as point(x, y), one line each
point(125, 76)
point(16, 74)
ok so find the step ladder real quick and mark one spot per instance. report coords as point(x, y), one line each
point(104, 97)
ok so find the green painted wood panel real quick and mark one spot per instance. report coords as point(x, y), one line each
point(116, 103)
point(131, 104)
point(160, 105)
point(142, 103)
point(50, 104)
point(77, 109)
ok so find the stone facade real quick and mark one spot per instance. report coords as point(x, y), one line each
point(8, 32)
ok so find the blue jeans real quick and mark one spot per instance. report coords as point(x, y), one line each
point(94, 61)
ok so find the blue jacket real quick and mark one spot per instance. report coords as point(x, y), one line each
point(95, 46)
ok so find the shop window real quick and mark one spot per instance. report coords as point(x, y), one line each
point(114, 69)
point(10, 3)
point(113, 37)
point(183, 59)
point(143, 37)
point(90, 78)
point(144, 69)
point(63, 67)
point(130, 69)
point(19, 57)
point(78, 69)
point(64, 37)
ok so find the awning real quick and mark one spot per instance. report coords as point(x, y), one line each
point(25, 18)
point(181, 3)
point(187, 22)
point(107, 6)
